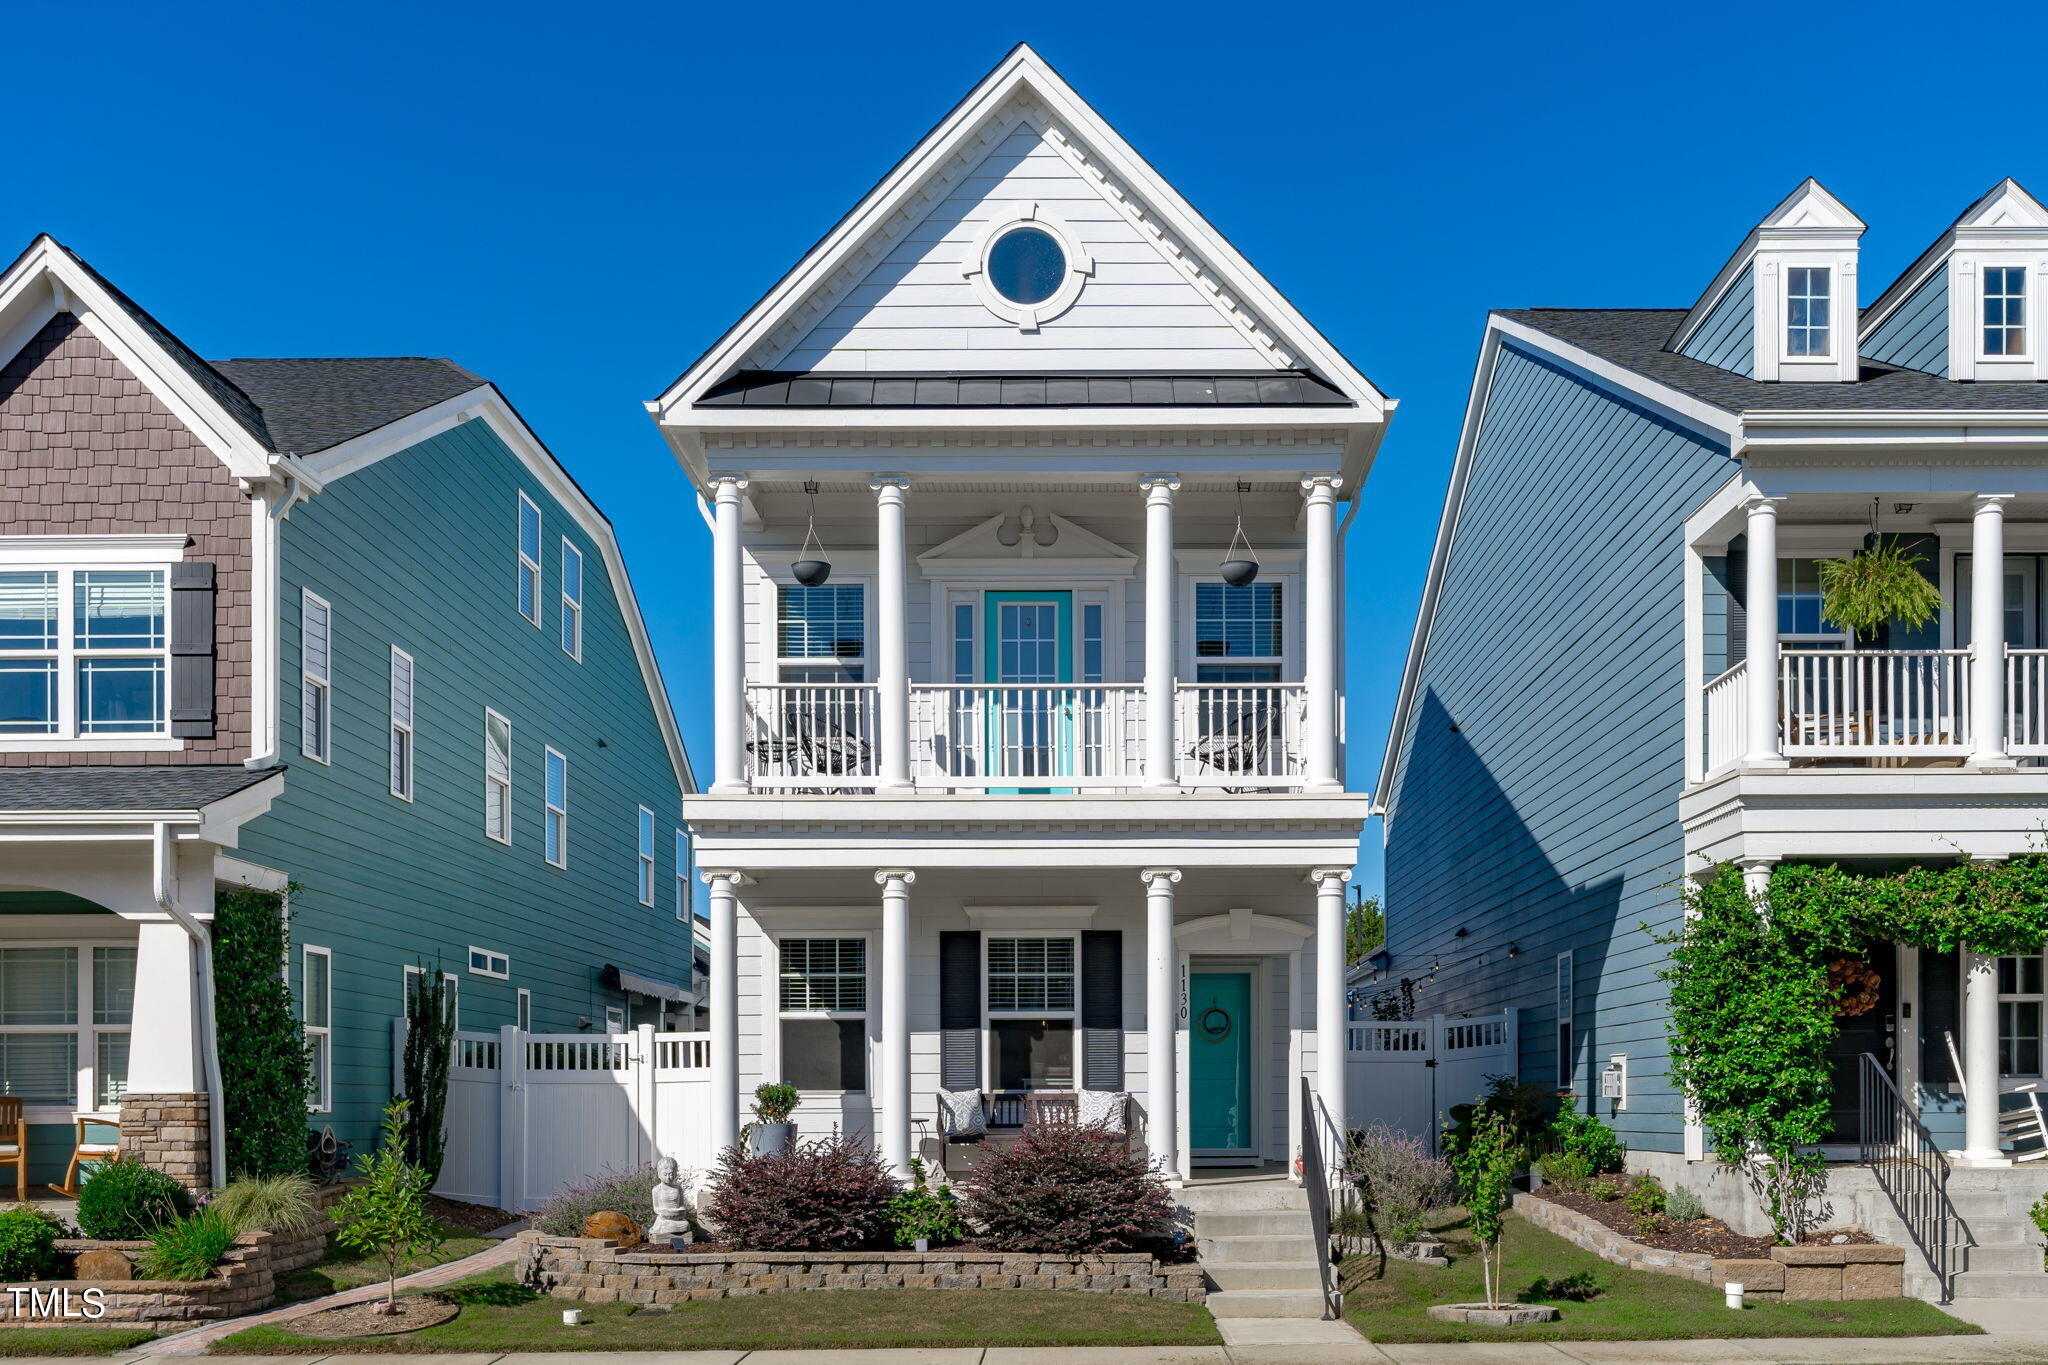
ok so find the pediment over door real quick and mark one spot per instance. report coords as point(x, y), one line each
point(1024, 535)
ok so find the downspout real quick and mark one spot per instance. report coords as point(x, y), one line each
point(163, 885)
point(264, 607)
point(1344, 635)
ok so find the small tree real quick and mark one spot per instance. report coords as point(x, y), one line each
point(429, 1043)
point(386, 1215)
point(1486, 1168)
point(1365, 926)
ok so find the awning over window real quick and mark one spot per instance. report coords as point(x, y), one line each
point(634, 984)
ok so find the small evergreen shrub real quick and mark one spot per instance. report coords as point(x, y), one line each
point(1064, 1189)
point(1646, 1201)
point(1566, 1170)
point(1581, 1135)
point(1606, 1191)
point(921, 1211)
point(188, 1249)
point(630, 1192)
point(1683, 1206)
point(429, 1048)
point(1399, 1183)
point(829, 1194)
point(28, 1244)
point(268, 1203)
point(127, 1201)
point(774, 1102)
point(57, 1225)
point(263, 1099)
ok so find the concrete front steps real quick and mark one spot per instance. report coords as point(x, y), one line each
point(1254, 1243)
point(2003, 1257)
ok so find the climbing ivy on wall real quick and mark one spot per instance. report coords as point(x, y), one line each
point(265, 1072)
point(1753, 1010)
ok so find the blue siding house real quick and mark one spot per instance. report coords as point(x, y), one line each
point(1621, 679)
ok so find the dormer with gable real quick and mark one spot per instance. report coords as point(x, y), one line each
point(1967, 309)
point(1783, 309)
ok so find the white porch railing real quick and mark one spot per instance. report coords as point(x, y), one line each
point(812, 735)
point(1026, 734)
point(1240, 734)
point(2026, 701)
point(1847, 703)
point(1727, 717)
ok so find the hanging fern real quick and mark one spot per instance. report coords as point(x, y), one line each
point(1876, 586)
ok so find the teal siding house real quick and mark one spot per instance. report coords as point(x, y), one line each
point(339, 630)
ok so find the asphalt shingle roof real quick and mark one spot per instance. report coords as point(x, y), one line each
point(166, 787)
point(310, 404)
point(1634, 338)
point(1229, 389)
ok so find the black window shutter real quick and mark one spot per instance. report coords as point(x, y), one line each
point(1102, 1009)
point(1738, 597)
point(192, 650)
point(960, 1009)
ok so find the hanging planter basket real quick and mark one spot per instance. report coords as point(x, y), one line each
point(810, 569)
point(1876, 586)
point(1239, 570)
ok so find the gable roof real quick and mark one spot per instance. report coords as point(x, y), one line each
point(1810, 211)
point(310, 404)
point(2006, 209)
point(900, 199)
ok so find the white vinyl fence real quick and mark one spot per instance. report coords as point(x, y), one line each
point(1407, 1073)
point(531, 1112)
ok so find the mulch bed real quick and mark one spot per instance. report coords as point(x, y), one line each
point(362, 1319)
point(477, 1218)
point(1173, 1256)
point(1710, 1236)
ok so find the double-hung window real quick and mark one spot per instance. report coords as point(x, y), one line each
point(555, 800)
point(522, 1010)
point(529, 559)
point(1809, 321)
point(2022, 1000)
point(84, 653)
point(1240, 633)
point(1033, 983)
point(65, 1015)
point(821, 633)
point(2005, 310)
point(1799, 608)
point(316, 683)
point(572, 600)
point(316, 1011)
point(497, 777)
point(823, 1006)
point(646, 842)
point(401, 723)
point(682, 876)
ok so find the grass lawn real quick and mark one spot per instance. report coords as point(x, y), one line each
point(71, 1341)
point(1600, 1301)
point(499, 1315)
point(343, 1270)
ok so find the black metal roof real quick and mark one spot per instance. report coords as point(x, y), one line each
point(1080, 389)
point(309, 404)
point(1634, 338)
point(165, 787)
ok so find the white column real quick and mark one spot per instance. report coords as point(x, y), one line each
point(725, 1008)
point(1320, 593)
point(1761, 606)
point(163, 1049)
point(1980, 1059)
point(728, 641)
point(894, 1117)
point(1160, 770)
point(892, 646)
point(1332, 1017)
point(1987, 631)
point(1162, 1104)
point(1756, 875)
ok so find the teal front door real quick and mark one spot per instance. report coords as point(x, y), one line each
point(1030, 651)
point(1220, 1063)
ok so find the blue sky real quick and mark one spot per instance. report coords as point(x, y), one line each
point(573, 201)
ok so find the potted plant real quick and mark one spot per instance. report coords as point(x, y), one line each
point(1875, 586)
point(771, 1130)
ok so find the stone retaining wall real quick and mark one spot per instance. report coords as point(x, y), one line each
point(170, 1133)
point(595, 1270)
point(1828, 1273)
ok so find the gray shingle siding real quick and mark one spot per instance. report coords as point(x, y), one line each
point(1727, 336)
point(1536, 794)
point(1916, 334)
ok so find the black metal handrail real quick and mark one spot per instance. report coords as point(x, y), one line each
point(1317, 1180)
point(1910, 1169)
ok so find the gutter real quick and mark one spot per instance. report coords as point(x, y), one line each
point(275, 508)
point(163, 885)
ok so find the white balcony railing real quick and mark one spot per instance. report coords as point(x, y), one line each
point(2026, 701)
point(1727, 717)
point(1855, 702)
point(1023, 736)
point(812, 735)
point(1237, 735)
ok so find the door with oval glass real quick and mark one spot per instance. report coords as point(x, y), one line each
point(1220, 1065)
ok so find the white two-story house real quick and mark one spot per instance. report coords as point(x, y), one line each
point(1014, 793)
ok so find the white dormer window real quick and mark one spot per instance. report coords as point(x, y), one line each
point(2005, 310)
point(1809, 291)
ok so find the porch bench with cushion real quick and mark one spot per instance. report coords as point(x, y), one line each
point(974, 1118)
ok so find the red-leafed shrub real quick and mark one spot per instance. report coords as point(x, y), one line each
point(1065, 1189)
point(830, 1194)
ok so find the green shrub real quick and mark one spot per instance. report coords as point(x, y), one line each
point(269, 1203)
point(28, 1244)
point(429, 1046)
point(921, 1211)
point(1646, 1203)
point(1574, 1134)
point(2039, 1213)
point(127, 1201)
point(1517, 1104)
point(264, 1091)
point(1684, 1206)
point(57, 1225)
point(385, 1215)
point(1606, 1191)
point(774, 1102)
point(188, 1249)
point(1566, 1170)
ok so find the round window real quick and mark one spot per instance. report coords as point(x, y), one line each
point(1026, 266)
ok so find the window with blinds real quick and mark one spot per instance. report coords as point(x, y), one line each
point(825, 974)
point(316, 641)
point(821, 633)
point(401, 723)
point(824, 999)
point(1030, 974)
point(1240, 632)
point(65, 1016)
point(497, 777)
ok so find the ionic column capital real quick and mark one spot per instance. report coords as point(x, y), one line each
point(1761, 505)
point(889, 487)
point(1321, 487)
point(727, 488)
point(1990, 502)
point(1323, 877)
point(732, 877)
point(903, 876)
point(1159, 486)
point(1159, 878)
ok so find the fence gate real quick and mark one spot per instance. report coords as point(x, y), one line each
point(531, 1112)
point(1407, 1073)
